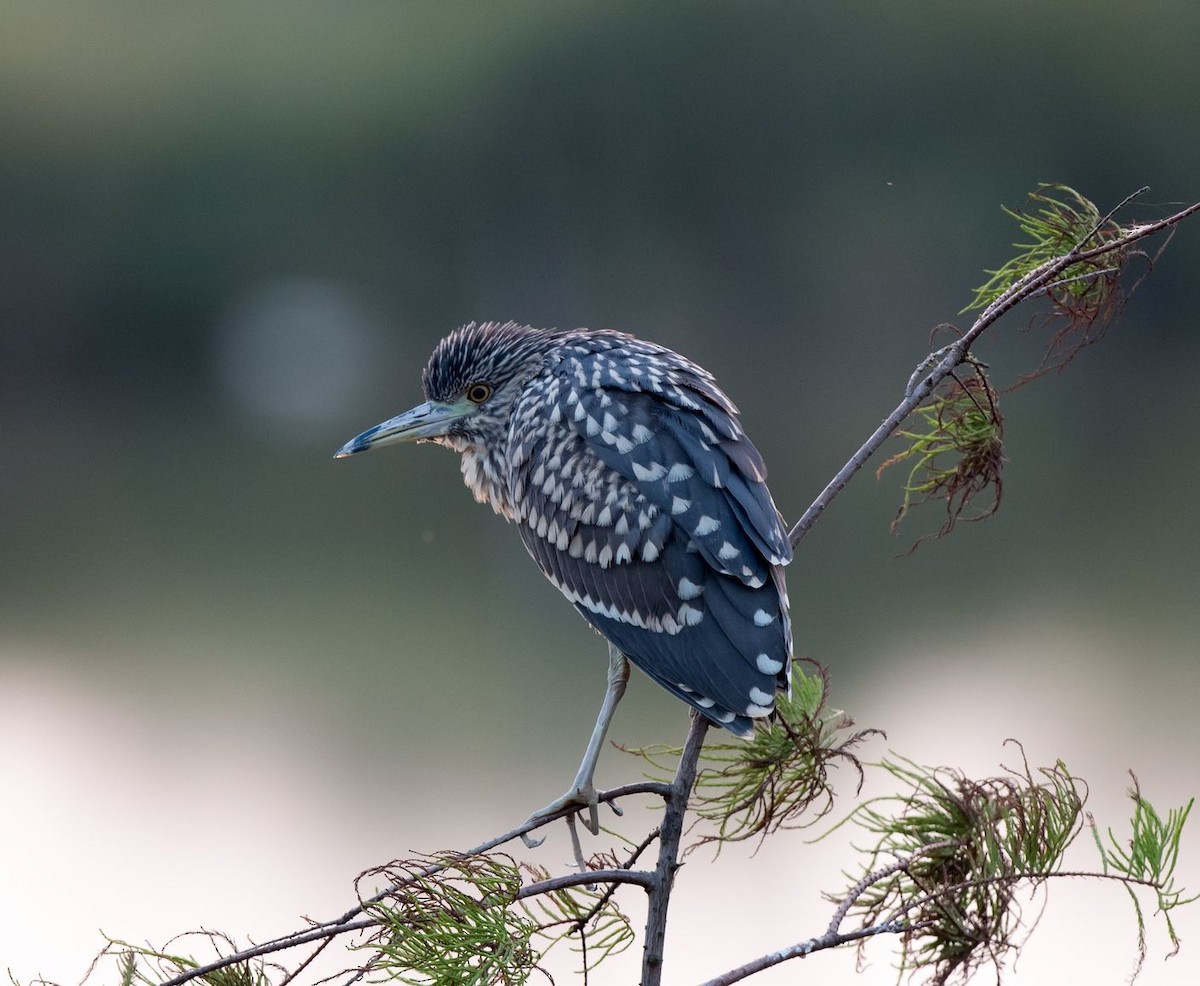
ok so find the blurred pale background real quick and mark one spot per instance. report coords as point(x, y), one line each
point(234, 673)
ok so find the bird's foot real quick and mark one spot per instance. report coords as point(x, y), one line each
point(580, 797)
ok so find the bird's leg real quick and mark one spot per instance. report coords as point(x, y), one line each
point(582, 791)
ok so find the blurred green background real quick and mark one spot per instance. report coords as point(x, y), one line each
point(234, 672)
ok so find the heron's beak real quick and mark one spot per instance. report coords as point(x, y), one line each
point(428, 420)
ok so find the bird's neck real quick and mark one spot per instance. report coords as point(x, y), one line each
point(484, 472)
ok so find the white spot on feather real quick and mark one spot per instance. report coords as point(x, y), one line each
point(759, 697)
point(768, 665)
point(706, 525)
point(647, 474)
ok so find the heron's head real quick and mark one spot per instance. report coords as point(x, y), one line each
point(471, 383)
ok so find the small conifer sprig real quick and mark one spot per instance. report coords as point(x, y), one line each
point(1147, 858)
point(955, 453)
point(779, 778)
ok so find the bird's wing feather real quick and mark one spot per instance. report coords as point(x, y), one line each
point(649, 512)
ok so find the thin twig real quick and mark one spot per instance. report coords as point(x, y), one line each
point(1020, 877)
point(639, 878)
point(1091, 275)
point(318, 933)
point(292, 976)
point(801, 949)
point(605, 897)
point(873, 877)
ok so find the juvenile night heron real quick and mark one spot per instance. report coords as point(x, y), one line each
point(639, 496)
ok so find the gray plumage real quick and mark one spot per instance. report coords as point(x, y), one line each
point(635, 490)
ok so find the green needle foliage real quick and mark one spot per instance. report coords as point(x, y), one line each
point(455, 920)
point(956, 454)
point(1061, 220)
point(1088, 296)
point(160, 965)
point(753, 788)
point(1148, 858)
point(127, 969)
point(448, 920)
point(587, 917)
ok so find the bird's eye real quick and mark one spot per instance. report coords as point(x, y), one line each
point(477, 393)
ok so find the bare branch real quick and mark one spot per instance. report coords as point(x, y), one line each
point(639, 878)
point(668, 852)
point(801, 949)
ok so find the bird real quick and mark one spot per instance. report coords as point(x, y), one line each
point(635, 489)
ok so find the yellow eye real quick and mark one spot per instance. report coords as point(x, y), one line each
point(477, 393)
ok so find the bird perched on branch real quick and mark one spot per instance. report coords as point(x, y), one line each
point(639, 496)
